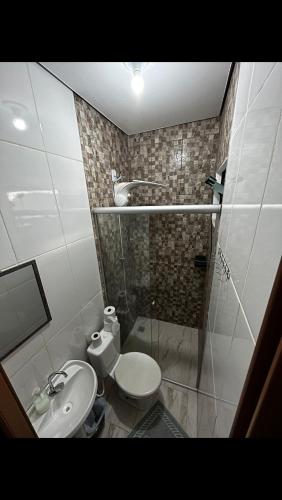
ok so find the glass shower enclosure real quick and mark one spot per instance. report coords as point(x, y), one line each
point(154, 269)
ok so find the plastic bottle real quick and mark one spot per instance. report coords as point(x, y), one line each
point(41, 401)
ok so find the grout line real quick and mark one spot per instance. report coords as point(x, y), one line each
point(180, 384)
point(21, 261)
point(198, 391)
point(250, 103)
point(212, 363)
point(36, 108)
point(247, 105)
point(9, 238)
point(263, 85)
point(39, 150)
point(242, 308)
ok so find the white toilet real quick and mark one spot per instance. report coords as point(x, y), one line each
point(137, 375)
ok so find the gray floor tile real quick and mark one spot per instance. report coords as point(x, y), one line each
point(113, 431)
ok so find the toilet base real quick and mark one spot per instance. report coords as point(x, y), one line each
point(140, 404)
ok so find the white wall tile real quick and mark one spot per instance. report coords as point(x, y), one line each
point(84, 264)
point(18, 118)
point(236, 363)
point(220, 349)
point(264, 261)
point(7, 255)
point(56, 109)
point(233, 164)
point(57, 279)
point(71, 193)
point(256, 150)
point(241, 234)
point(271, 94)
point(273, 191)
point(214, 292)
point(93, 315)
point(261, 72)
point(69, 343)
point(206, 416)
point(227, 309)
point(35, 227)
point(223, 231)
point(27, 201)
point(250, 231)
point(20, 356)
point(207, 380)
point(34, 374)
point(225, 321)
point(242, 95)
point(224, 419)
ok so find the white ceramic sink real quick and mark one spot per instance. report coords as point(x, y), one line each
point(70, 407)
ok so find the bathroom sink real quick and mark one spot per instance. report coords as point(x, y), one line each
point(70, 407)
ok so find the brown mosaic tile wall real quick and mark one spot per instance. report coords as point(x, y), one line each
point(104, 147)
point(181, 157)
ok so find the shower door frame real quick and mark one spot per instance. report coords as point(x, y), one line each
point(149, 210)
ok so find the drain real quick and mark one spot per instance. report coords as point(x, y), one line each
point(67, 408)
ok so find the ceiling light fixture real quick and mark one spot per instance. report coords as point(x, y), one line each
point(137, 82)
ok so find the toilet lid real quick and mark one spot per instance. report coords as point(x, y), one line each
point(138, 374)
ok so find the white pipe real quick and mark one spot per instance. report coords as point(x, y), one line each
point(160, 209)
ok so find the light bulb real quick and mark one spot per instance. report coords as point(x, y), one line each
point(137, 82)
point(19, 123)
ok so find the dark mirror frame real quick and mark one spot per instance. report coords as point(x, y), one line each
point(43, 297)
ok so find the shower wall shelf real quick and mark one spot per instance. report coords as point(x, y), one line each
point(160, 209)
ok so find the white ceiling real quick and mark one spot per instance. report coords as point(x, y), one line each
point(174, 92)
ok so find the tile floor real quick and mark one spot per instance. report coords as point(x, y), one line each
point(174, 347)
point(121, 418)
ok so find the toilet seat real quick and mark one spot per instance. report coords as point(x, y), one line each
point(138, 374)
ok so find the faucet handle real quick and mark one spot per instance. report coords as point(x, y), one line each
point(57, 388)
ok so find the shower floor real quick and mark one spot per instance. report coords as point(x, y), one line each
point(174, 347)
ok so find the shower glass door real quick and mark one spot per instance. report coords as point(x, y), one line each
point(124, 252)
point(155, 272)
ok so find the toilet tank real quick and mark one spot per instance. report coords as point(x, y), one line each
point(104, 356)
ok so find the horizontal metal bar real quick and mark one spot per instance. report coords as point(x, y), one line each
point(160, 209)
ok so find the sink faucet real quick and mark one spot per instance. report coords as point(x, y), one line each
point(53, 390)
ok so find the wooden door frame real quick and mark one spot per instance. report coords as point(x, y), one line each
point(14, 422)
point(259, 412)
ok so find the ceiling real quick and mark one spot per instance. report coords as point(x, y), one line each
point(174, 92)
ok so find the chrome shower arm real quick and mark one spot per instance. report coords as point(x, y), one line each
point(136, 183)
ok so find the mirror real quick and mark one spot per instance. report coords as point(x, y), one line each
point(23, 306)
